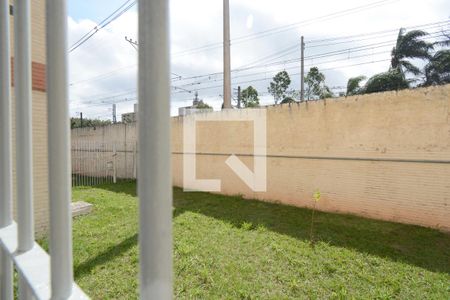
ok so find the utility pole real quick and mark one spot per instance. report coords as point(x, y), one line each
point(239, 96)
point(81, 119)
point(114, 114)
point(226, 55)
point(302, 71)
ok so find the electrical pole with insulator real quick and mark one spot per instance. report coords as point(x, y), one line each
point(239, 97)
point(302, 71)
point(114, 112)
point(226, 56)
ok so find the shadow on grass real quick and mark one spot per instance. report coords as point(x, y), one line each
point(419, 246)
point(104, 257)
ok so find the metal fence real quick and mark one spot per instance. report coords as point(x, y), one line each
point(44, 276)
point(96, 163)
point(93, 163)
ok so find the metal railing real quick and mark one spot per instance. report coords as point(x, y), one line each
point(44, 276)
point(93, 163)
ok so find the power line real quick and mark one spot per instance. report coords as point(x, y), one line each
point(423, 27)
point(101, 76)
point(288, 27)
point(311, 57)
point(241, 82)
point(295, 74)
point(344, 51)
point(111, 18)
point(275, 55)
point(272, 57)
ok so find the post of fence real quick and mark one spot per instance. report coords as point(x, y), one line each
point(6, 268)
point(154, 172)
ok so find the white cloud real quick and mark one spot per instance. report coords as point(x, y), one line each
point(250, 21)
point(196, 23)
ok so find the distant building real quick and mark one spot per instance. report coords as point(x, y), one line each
point(130, 117)
point(197, 106)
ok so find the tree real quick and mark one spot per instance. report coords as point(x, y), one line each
point(315, 85)
point(76, 123)
point(391, 80)
point(202, 105)
point(409, 45)
point(249, 97)
point(279, 86)
point(437, 71)
point(353, 87)
point(287, 100)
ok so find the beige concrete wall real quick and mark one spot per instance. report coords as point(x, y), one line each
point(381, 156)
point(39, 103)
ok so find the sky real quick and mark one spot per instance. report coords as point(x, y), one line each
point(265, 38)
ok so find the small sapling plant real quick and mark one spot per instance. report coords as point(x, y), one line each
point(316, 198)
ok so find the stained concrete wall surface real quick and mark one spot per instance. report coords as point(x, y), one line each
point(384, 156)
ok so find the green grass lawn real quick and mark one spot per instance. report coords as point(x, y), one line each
point(231, 248)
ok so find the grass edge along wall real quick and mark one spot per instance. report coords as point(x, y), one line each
point(383, 156)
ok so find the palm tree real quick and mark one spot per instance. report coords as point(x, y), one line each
point(409, 45)
point(392, 80)
point(353, 87)
point(437, 71)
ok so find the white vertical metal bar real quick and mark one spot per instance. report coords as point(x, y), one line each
point(59, 150)
point(6, 275)
point(155, 181)
point(5, 118)
point(135, 160)
point(6, 271)
point(71, 161)
point(24, 145)
point(24, 290)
